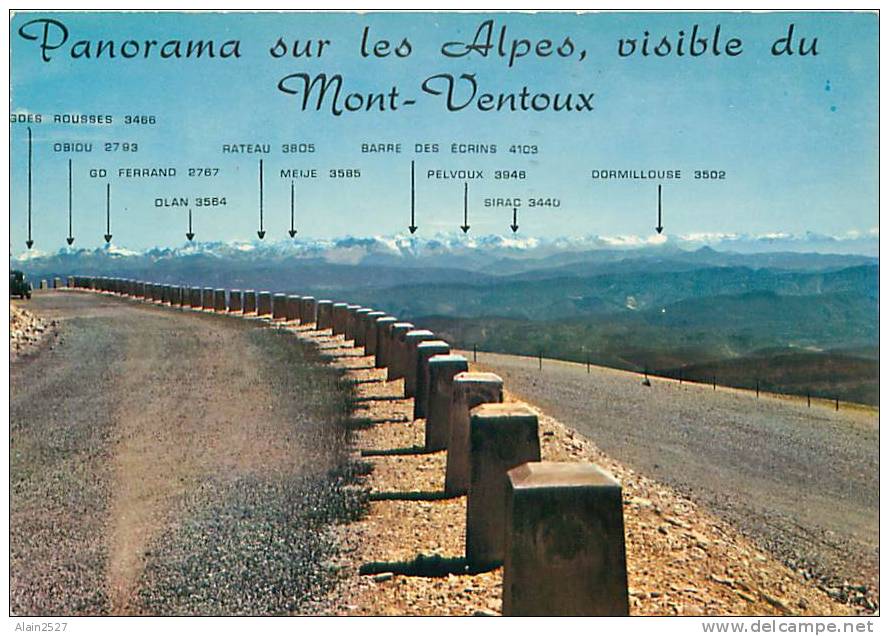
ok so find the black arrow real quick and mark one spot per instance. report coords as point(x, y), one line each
point(108, 213)
point(660, 225)
point(70, 238)
point(29, 242)
point(413, 226)
point(189, 235)
point(292, 231)
point(465, 226)
point(261, 232)
point(515, 222)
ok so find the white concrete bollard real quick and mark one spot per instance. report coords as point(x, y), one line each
point(219, 300)
point(293, 303)
point(370, 331)
point(408, 361)
point(279, 307)
point(235, 301)
point(308, 310)
point(325, 315)
point(264, 303)
point(351, 322)
point(393, 350)
point(442, 369)
point(425, 351)
point(207, 298)
point(565, 552)
point(501, 436)
point(469, 390)
point(382, 326)
point(340, 311)
point(249, 302)
point(360, 329)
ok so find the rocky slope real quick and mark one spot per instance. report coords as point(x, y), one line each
point(26, 331)
point(682, 560)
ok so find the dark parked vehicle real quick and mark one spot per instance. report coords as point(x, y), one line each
point(19, 285)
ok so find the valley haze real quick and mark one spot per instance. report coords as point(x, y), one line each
point(785, 313)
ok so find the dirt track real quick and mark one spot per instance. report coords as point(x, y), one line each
point(167, 462)
point(802, 482)
point(158, 465)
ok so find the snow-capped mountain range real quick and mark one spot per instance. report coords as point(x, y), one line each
point(476, 252)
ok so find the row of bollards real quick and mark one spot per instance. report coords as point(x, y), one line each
point(556, 528)
point(55, 283)
point(260, 304)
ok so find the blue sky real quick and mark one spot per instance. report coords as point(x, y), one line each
point(796, 136)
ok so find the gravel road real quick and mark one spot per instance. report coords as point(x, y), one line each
point(169, 462)
point(802, 482)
